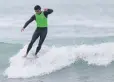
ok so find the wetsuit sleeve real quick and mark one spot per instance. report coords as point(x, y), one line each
point(49, 11)
point(29, 21)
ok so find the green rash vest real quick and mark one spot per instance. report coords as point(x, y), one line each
point(41, 20)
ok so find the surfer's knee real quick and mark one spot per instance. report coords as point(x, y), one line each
point(31, 42)
point(39, 47)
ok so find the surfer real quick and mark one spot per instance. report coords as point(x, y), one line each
point(41, 31)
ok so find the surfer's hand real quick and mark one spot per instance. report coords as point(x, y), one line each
point(45, 9)
point(22, 29)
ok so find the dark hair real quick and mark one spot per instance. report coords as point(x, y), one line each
point(37, 7)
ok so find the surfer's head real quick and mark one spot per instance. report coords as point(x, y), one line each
point(37, 9)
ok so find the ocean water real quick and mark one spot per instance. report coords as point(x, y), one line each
point(79, 46)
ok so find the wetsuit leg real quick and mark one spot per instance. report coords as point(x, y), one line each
point(34, 37)
point(42, 38)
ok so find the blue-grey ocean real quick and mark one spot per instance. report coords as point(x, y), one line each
point(79, 46)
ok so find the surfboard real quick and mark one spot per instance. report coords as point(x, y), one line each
point(30, 60)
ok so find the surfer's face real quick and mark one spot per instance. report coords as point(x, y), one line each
point(38, 11)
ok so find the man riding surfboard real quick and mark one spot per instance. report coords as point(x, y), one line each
point(41, 31)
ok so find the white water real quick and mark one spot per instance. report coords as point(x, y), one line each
point(55, 58)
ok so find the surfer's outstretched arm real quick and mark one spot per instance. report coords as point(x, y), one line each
point(28, 22)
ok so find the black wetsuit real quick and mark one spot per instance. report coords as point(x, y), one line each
point(42, 32)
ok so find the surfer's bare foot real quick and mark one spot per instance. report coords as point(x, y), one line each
point(35, 56)
point(25, 55)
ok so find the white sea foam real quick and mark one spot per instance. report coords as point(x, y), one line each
point(55, 58)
